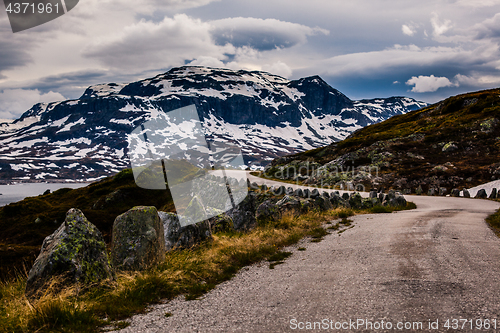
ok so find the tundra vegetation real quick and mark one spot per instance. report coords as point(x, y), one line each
point(190, 271)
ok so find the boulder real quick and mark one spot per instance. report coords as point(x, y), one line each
point(314, 193)
point(449, 147)
point(138, 239)
point(178, 237)
point(326, 195)
point(481, 194)
point(419, 190)
point(432, 191)
point(336, 200)
point(299, 193)
point(493, 194)
point(466, 193)
point(323, 203)
point(455, 192)
point(345, 196)
point(74, 253)
point(381, 197)
point(290, 204)
point(442, 191)
point(280, 190)
point(243, 215)
point(373, 194)
point(356, 201)
point(307, 193)
point(396, 201)
point(219, 221)
point(289, 191)
point(268, 211)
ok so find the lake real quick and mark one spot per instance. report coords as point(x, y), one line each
point(17, 192)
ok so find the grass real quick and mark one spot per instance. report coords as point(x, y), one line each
point(191, 272)
point(494, 222)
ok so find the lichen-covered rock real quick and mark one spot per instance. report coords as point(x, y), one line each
point(450, 147)
point(323, 203)
point(243, 215)
point(356, 201)
point(268, 211)
point(419, 190)
point(289, 204)
point(138, 239)
point(220, 220)
point(74, 253)
point(336, 200)
point(481, 194)
point(178, 237)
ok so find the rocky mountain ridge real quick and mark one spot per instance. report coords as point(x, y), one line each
point(266, 115)
point(442, 148)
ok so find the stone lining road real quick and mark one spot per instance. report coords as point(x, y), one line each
point(438, 262)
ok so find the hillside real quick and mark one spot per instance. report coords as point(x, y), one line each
point(25, 224)
point(451, 144)
point(266, 115)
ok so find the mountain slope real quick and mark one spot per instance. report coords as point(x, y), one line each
point(267, 115)
point(451, 144)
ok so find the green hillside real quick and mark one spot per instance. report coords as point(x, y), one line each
point(25, 224)
point(451, 144)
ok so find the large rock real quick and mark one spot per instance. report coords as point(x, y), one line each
point(356, 201)
point(268, 211)
point(455, 192)
point(243, 215)
point(481, 194)
point(138, 239)
point(219, 221)
point(74, 253)
point(466, 193)
point(290, 204)
point(493, 194)
point(180, 237)
point(323, 203)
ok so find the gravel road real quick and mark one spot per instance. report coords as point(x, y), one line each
point(411, 268)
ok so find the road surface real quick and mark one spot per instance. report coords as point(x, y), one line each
point(399, 272)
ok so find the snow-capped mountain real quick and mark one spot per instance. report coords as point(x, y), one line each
point(267, 115)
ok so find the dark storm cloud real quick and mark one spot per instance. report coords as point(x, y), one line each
point(259, 34)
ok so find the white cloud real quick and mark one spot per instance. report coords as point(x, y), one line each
point(431, 83)
point(278, 68)
point(207, 62)
point(147, 44)
point(478, 3)
point(438, 26)
point(408, 30)
point(14, 102)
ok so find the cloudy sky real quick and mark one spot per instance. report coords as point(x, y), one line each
point(426, 49)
